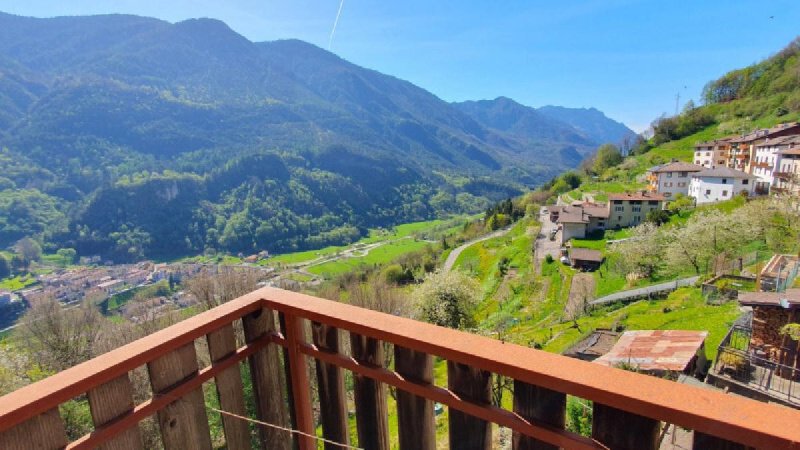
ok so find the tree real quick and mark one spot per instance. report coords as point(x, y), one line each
point(5, 267)
point(657, 216)
point(67, 255)
point(642, 253)
point(447, 299)
point(28, 250)
point(608, 155)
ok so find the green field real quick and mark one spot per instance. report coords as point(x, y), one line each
point(18, 282)
point(382, 254)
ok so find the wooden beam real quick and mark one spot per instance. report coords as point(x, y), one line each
point(110, 401)
point(415, 422)
point(332, 399)
point(230, 391)
point(468, 432)
point(537, 404)
point(370, 395)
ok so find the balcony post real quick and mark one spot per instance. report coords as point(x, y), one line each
point(372, 421)
point(269, 382)
point(415, 422)
point(301, 389)
point(332, 400)
point(45, 431)
point(541, 405)
point(183, 423)
point(619, 429)
point(230, 390)
point(109, 401)
point(468, 432)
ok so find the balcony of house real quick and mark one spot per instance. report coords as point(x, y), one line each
point(291, 349)
point(762, 165)
point(755, 371)
point(784, 175)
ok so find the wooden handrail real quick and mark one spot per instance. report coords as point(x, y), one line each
point(733, 418)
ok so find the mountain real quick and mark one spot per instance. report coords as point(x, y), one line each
point(591, 122)
point(129, 136)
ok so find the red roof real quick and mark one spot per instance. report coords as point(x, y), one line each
point(655, 350)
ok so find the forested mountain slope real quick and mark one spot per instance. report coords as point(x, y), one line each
point(129, 137)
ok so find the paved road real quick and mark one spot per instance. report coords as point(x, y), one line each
point(632, 294)
point(544, 245)
point(453, 256)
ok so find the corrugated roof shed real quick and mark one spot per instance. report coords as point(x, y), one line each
point(655, 350)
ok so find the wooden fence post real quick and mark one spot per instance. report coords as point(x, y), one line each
point(269, 384)
point(332, 400)
point(415, 421)
point(622, 430)
point(183, 423)
point(230, 391)
point(468, 432)
point(109, 401)
point(45, 431)
point(372, 420)
point(539, 404)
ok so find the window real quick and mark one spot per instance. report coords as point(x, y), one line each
point(697, 162)
point(619, 208)
point(619, 218)
point(637, 218)
point(669, 174)
point(667, 194)
point(638, 202)
point(724, 181)
point(745, 181)
point(652, 202)
point(708, 153)
point(708, 191)
point(616, 202)
point(724, 193)
point(684, 174)
point(682, 184)
point(637, 209)
point(601, 224)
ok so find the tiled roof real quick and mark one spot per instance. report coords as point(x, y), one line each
point(677, 167)
point(637, 196)
point(791, 151)
point(721, 172)
point(783, 140)
point(655, 350)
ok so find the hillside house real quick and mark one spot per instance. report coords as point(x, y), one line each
point(579, 220)
point(630, 209)
point(786, 174)
point(722, 183)
point(769, 158)
point(712, 154)
point(672, 178)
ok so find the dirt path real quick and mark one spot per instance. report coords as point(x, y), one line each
point(453, 256)
point(544, 246)
point(581, 291)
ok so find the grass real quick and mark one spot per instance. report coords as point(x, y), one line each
point(17, 282)
point(376, 256)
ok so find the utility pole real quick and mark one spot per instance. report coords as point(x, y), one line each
point(677, 102)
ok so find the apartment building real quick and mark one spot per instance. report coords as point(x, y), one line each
point(770, 156)
point(630, 209)
point(672, 178)
point(721, 183)
point(712, 153)
point(739, 152)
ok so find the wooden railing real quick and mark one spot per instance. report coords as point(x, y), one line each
point(628, 408)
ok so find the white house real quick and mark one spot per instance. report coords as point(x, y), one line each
point(672, 178)
point(766, 160)
point(722, 183)
point(786, 176)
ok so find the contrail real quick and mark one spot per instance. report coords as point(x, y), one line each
point(335, 22)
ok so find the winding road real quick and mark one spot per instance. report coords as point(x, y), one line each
point(453, 256)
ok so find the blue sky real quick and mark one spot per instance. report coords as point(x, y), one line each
point(627, 58)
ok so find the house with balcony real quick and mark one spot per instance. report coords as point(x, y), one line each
point(282, 334)
point(755, 359)
point(672, 178)
point(770, 155)
point(722, 183)
point(786, 174)
point(712, 154)
point(631, 208)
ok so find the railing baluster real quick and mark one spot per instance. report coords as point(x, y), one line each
point(415, 422)
point(333, 403)
point(370, 396)
point(702, 441)
point(537, 404)
point(621, 430)
point(183, 423)
point(269, 382)
point(45, 431)
point(222, 343)
point(468, 432)
point(302, 389)
point(109, 401)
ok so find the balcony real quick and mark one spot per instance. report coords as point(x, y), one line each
point(279, 333)
point(754, 372)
